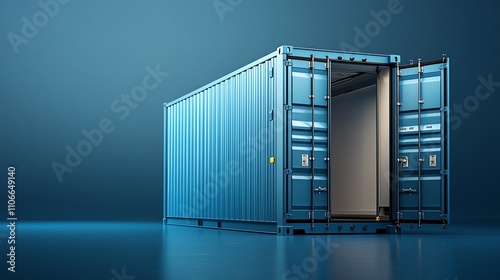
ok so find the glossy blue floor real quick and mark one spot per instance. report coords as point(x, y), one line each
point(135, 251)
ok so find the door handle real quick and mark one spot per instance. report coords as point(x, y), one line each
point(408, 190)
point(404, 161)
point(320, 189)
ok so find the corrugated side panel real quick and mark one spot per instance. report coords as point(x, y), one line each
point(218, 143)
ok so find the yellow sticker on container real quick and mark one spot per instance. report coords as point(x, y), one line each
point(271, 160)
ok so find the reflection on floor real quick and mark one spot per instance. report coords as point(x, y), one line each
point(135, 251)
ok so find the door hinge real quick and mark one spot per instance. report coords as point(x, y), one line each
point(287, 107)
point(444, 109)
point(288, 171)
point(444, 172)
point(288, 63)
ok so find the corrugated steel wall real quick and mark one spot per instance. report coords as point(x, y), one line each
point(218, 144)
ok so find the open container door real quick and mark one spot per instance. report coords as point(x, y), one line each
point(333, 173)
point(422, 143)
point(307, 129)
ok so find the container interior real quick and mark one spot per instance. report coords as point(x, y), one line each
point(359, 141)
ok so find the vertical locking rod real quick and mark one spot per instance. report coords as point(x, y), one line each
point(398, 105)
point(418, 140)
point(311, 96)
point(328, 155)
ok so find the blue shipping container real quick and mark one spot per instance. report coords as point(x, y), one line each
point(311, 141)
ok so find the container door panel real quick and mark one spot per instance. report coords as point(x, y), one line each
point(307, 128)
point(422, 144)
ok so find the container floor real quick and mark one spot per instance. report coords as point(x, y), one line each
point(135, 251)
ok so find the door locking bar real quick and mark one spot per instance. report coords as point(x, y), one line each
point(420, 160)
point(328, 151)
point(398, 105)
point(311, 96)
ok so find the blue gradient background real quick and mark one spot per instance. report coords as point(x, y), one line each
point(92, 52)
